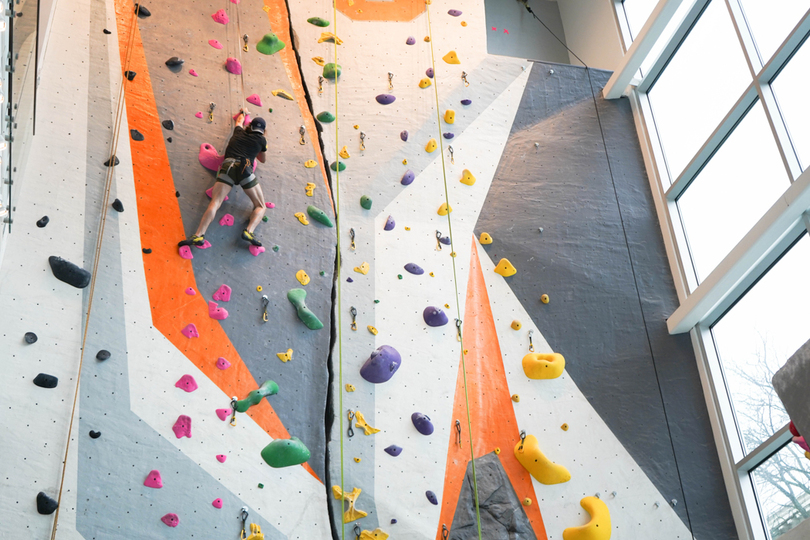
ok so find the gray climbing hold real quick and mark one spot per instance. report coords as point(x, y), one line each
point(94, 434)
point(404, 135)
point(407, 178)
point(365, 202)
point(43, 380)
point(68, 272)
point(448, 135)
point(118, 206)
point(422, 423)
point(129, 75)
point(107, 32)
point(142, 12)
point(103, 354)
point(168, 124)
point(429, 72)
point(393, 450)
point(381, 365)
point(414, 269)
point(175, 62)
point(454, 13)
point(30, 338)
point(434, 316)
point(466, 101)
point(147, 250)
point(136, 135)
point(386, 99)
point(45, 505)
point(41, 222)
point(431, 497)
point(116, 162)
point(410, 41)
point(390, 224)
point(325, 117)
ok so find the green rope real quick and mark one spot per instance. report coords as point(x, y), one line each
point(455, 276)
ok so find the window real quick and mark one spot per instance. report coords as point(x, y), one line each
point(771, 21)
point(637, 12)
point(783, 487)
point(790, 89)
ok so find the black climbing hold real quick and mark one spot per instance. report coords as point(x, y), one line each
point(118, 206)
point(30, 338)
point(107, 31)
point(41, 222)
point(129, 75)
point(103, 354)
point(43, 380)
point(393, 522)
point(147, 250)
point(45, 505)
point(95, 434)
point(177, 194)
point(107, 163)
point(68, 272)
point(168, 124)
point(169, 139)
point(174, 62)
point(142, 12)
point(136, 135)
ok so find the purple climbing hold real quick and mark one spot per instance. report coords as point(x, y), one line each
point(407, 178)
point(153, 480)
point(393, 522)
point(190, 331)
point(215, 43)
point(381, 365)
point(171, 519)
point(223, 294)
point(187, 383)
point(233, 66)
point(414, 269)
point(349, 280)
point(404, 135)
point(454, 13)
point(466, 101)
point(445, 240)
point(223, 413)
point(393, 450)
point(422, 423)
point(182, 427)
point(254, 99)
point(449, 135)
point(429, 72)
point(431, 497)
point(434, 316)
point(390, 224)
point(222, 363)
point(410, 41)
point(220, 16)
point(386, 99)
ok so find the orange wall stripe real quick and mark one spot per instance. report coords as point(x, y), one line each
point(376, 10)
point(167, 274)
point(491, 412)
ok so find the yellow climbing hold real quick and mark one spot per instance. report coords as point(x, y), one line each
point(539, 466)
point(463, 23)
point(361, 423)
point(404, 161)
point(350, 388)
point(329, 37)
point(376, 534)
point(372, 329)
point(259, 288)
point(356, 126)
point(445, 209)
point(450, 116)
point(431, 146)
point(344, 153)
point(310, 163)
point(453, 254)
point(407, 228)
point(527, 502)
point(302, 277)
point(283, 94)
point(310, 187)
point(451, 58)
point(467, 178)
point(485, 238)
point(516, 325)
point(598, 528)
point(431, 274)
point(285, 356)
point(543, 366)
point(516, 398)
point(427, 39)
point(352, 513)
point(319, 60)
point(564, 427)
point(362, 269)
point(424, 83)
point(255, 532)
point(498, 450)
point(505, 268)
point(545, 299)
point(302, 218)
point(357, 460)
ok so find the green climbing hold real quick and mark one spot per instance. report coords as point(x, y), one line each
point(323, 273)
point(264, 219)
point(331, 71)
point(365, 202)
point(261, 486)
point(270, 44)
point(285, 453)
point(338, 165)
point(275, 248)
point(319, 215)
point(269, 388)
point(326, 117)
point(399, 276)
point(376, 301)
point(317, 21)
point(296, 298)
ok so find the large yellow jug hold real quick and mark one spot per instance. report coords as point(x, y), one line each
point(467, 178)
point(485, 239)
point(539, 466)
point(451, 58)
point(445, 209)
point(598, 528)
point(424, 83)
point(449, 116)
point(505, 268)
point(344, 153)
point(431, 146)
point(516, 325)
point(543, 366)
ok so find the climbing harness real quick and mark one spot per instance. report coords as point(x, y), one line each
point(438, 240)
point(233, 411)
point(362, 141)
point(350, 416)
point(265, 303)
point(354, 318)
point(351, 235)
point(531, 345)
point(302, 131)
point(458, 432)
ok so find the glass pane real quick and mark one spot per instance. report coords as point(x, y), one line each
point(638, 11)
point(783, 487)
point(705, 77)
point(771, 21)
point(790, 88)
point(757, 336)
point(732, 192)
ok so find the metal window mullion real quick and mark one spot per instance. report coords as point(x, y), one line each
point(779, 130)
point(766, 449)
point(745, 36)
point(624, 25)
point(786, 50)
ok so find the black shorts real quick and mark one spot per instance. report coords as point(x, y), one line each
point(237, 172)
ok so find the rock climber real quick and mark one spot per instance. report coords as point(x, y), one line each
point(244, 147)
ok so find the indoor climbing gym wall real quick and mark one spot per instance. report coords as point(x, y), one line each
point(453, 327)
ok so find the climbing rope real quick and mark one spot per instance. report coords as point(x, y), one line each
point(455, 274)
point(119, 114)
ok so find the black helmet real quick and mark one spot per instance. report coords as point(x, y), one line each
point(258, 124)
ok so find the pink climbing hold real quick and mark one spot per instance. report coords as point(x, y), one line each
point(505, 31)
point(233, 66)
point(221, 458)
point(246, 119)
point(223, 294)
point(205, 245)
point(190, 331)
point(192, 73)
point(185, 252)
point(226, 221)
point(210, 192)
point(220, 16)
point(216, 312)
point(199, 114)
point(209, 158)
point(254, 99)
point(153, 480)
point(222, 363)
point(172, 520)
point(182, 428)
point(223, 413)
point(215, 43)
point(187, 383)
point(270, 205)
point(256, 250)
point(217, 503)
point(190, 291)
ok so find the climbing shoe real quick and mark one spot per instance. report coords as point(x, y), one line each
point(193, 241)
point(250, 237)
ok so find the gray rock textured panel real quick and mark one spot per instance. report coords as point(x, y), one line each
point(791, 383)
point(502, 515)
point(601, 259)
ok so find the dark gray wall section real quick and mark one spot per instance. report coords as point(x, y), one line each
point(526, 38)
point(602, 261)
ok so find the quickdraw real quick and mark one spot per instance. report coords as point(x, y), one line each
point(445, 532)
point(211, 107)
point(362, 141)
point(353, 311)
point(531, 345)
point(452, 159)
point(265, 303)
point(458, 432)
point(320, 84)
point(464, 78)
point(233, 409)
point(390, 81)
point(458, 330)
point(245, 47)
point(243, 516)
point(438, 240)
point(350, 416)
point(352, 246)
point(522, 440)
point(302, 131)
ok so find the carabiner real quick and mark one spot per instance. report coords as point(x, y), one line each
point(522, 440)
point(352, 246)
point(353, 311)
point(452, 159)
point(350, 431)
point(357, 531)
point(245, 46)
point(233, 414)
point(531, 345)
point(390, 81)
point(320, 84)
point(265, 303)
point(445, 532)
point(458, 432)
point(458, 330)
point(362, 141)
point(438, 240)
point(301, 131)
point(211, 107)
point(243, 516)
point(464, 78)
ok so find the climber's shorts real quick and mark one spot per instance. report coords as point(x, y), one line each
point(235, 172)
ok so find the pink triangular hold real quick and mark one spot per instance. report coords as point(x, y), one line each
point(205, 245)
point(220, 16)
point(223, 414)
point(494, 29)
point(217, 503)
point(505, 31)
point(221, 458)
point(172, 520)
point(153, 480)
point(254, 99)
point(182, 428)
point(190, 331)
point(190, 291)
point(216, 312)
point(215, 43)
point(233, 66)
point(226, 221)
point(187, 383)
point(222, 363)
point(192, 73)
point(223, 294)
point(198, 114)
point(210, 193)
point(269, 205)
point(255, 250)
point(209, 158)
point(185, 252)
